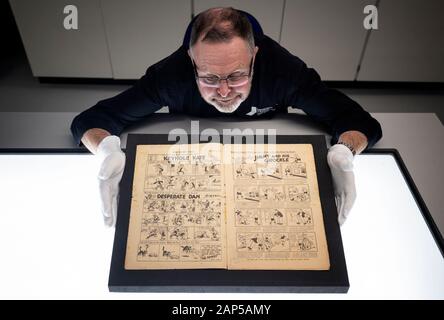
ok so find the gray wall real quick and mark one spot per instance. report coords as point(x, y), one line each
point(120, 39)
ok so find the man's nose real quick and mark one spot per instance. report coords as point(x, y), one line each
point(224, 89)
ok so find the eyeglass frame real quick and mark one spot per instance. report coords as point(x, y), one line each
point(220, 79)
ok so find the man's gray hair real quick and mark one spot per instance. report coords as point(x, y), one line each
point(218, 25)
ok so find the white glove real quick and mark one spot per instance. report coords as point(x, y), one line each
point(112, 163)
point(340, 160)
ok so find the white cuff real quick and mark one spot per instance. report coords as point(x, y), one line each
point(109, 145)
point(341, 149)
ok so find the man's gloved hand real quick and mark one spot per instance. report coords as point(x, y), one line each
point(340, 160)
point(112, 163)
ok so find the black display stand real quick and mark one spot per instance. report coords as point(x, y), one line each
point(334, 280)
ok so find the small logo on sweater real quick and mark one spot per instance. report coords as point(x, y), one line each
point(259, 112)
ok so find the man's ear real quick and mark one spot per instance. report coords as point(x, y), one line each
point(256, 49)
point(189, 53)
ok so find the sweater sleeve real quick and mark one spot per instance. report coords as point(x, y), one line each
point(117, 113)
point(335, 110)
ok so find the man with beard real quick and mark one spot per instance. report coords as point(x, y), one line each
point(227, 66)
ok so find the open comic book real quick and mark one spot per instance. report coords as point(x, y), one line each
point(231, 206)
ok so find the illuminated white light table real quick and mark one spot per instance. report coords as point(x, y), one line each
point(54, 245)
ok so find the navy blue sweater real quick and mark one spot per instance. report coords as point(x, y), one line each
point(280, 80)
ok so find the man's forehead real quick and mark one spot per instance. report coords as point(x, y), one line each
point(234, 54)
point(219, 66)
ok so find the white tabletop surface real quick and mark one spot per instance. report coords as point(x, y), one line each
point(54, 244)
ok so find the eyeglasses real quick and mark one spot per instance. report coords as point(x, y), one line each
point(233, 80)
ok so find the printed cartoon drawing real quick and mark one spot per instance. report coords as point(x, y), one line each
point(274, 217)
point(298, 193)
point(273, 193)
point(247, 217)
point(300, 217)
point(296, 170)
point(245, 171)
point(306, 242)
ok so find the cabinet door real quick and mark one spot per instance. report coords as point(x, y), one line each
point(268, 13)
point(327, 35)
point(143, 32)
point(54, 51)
point(409, 43)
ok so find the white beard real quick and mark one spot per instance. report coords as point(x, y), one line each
point(228, 109)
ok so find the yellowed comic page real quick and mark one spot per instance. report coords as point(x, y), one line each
point(177, 217)
point(274, 215)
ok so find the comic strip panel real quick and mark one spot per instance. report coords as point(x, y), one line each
point(301, 217)
point(247, 196)
point(245, 171)
point(248, 217)
point(298, 193)
point(250, 241)
point(274, 217)
point(304, 242)
point(276, 241)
